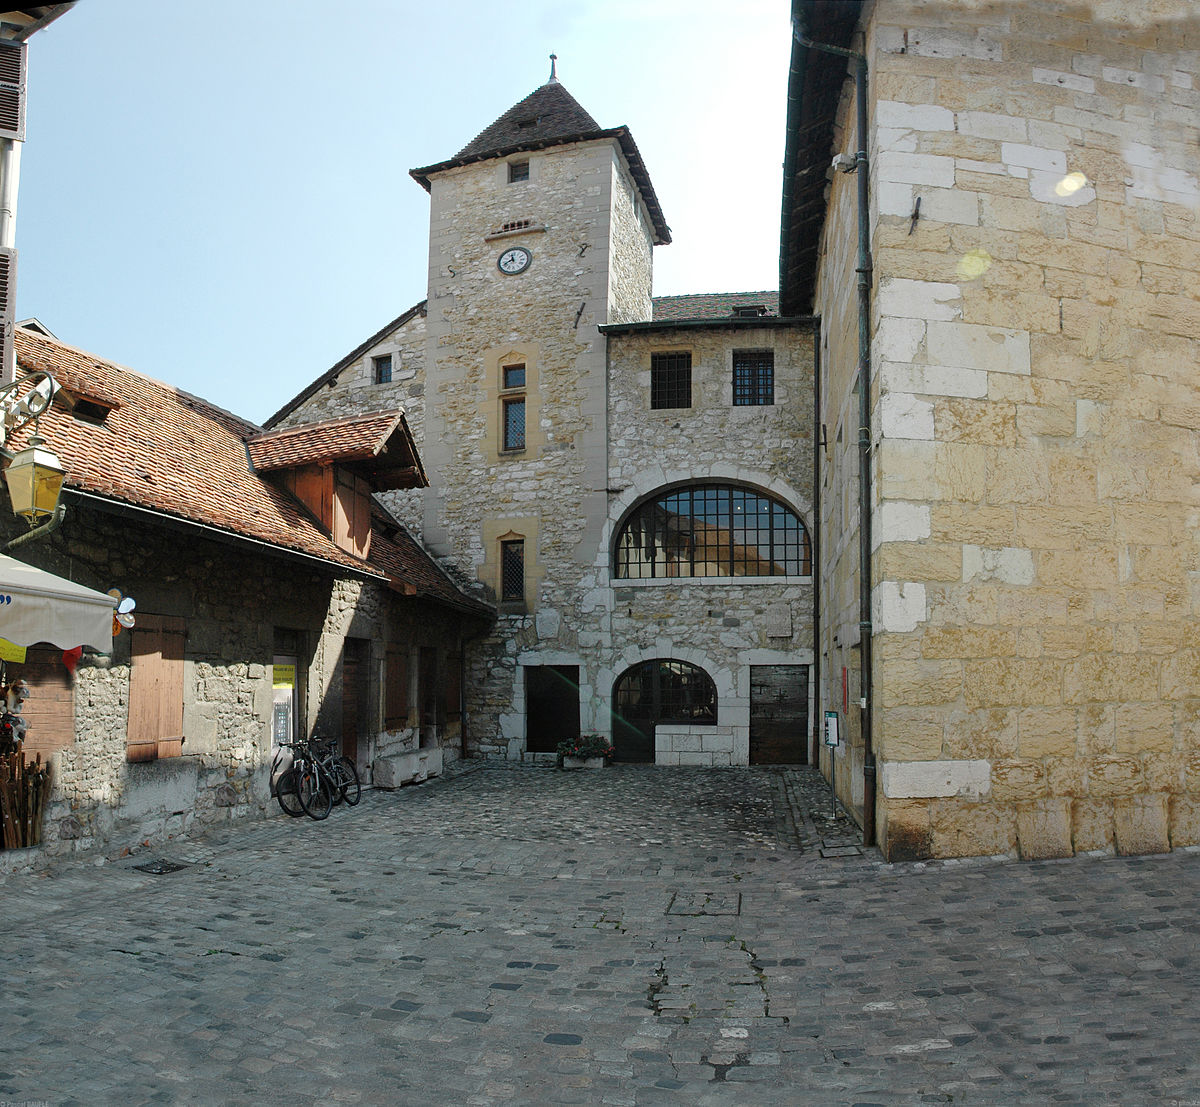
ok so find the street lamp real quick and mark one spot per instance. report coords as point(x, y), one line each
point(34, 474)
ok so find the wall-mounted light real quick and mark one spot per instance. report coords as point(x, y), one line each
point(34, 474)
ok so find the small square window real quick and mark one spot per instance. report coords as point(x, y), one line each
point(753, 378)
point(514, 424)
point(670, 380)
point(382, 369)
point(514, 376)
point(518, 171)
point(512, 571)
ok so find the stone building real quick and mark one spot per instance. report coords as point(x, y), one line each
point(274, 599)
point(627, 479)
point(1030, 664)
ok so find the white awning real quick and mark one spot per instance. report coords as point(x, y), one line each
point(36, 606)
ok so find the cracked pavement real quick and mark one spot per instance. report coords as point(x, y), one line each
point(629, 936)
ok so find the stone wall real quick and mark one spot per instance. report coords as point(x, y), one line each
point(1035, 343)
point(232, 601)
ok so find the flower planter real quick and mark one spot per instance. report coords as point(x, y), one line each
point(583, 762)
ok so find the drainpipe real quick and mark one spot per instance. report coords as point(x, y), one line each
point(863, 269)
point(10, 175)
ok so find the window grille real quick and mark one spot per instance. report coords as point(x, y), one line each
point(518, 171)
point(512, 571)
point(514, 376)
point(671, 380)
point(383, 369)
point(712, 530)
point(520, 224)
point(514, 424)
point(753, 377)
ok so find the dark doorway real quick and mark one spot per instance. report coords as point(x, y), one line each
point(659, 691)
point(551, 706)
point(354, 694)
point(778, 714)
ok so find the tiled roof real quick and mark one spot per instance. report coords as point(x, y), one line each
point(547, 113)
point(554, 118)
point(381, 439)
point(711, 305)
point(172, 453)
point(402, 556)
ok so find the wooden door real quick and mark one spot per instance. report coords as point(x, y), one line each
point(551, 706)
point(778, 714)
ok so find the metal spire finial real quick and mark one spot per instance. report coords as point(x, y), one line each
point(553, 59)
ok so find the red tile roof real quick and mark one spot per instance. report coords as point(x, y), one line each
point(382, 439)
point(170, 452)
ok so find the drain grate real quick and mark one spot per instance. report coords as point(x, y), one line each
point(705, 903)
point(160, 867)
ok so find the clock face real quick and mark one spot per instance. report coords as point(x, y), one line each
point(514, 260)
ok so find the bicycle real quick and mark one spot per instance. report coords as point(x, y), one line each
point(340, 770)
point(305, 785)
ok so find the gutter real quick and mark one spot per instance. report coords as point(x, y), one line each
point(729, 322)
point(229, 538)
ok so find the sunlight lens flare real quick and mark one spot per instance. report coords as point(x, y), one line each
point(1070, 184)
point(974, 263)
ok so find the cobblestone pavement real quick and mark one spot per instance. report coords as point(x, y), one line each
point(629, 936)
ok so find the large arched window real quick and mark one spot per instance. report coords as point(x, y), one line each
point(712, 530)
point(663, 690)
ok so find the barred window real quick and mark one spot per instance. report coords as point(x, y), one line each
point(518, 171)
point(512, 571)
point(666, 691)
point(671, 380)
point(753, 377)
point(712, 530)
point(514, 424)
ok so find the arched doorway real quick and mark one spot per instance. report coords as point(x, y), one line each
point(661, 690)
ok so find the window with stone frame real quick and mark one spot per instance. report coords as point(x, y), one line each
point(753, 378)
point(518, 171)
point(512, 571)
point(382, 369)
point(512, 407)
point(671, 379)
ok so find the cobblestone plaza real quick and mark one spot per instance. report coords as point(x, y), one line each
point(630, 936)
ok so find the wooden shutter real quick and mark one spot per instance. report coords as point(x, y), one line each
point(396, 688)
point(156, 688)
point(12, 90)
point(49, 713)
point(8, 313)
point(351, 528)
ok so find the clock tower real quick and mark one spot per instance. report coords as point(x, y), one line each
point(541, 228)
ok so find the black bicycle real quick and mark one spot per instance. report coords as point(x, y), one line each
point(303, 789)
point(339, 770)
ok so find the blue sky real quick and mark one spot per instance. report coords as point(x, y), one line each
point(226, 206)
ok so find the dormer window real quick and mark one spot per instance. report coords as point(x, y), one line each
point(91, 411)
point(750, 311)
point(518, 171)
point(527, 124)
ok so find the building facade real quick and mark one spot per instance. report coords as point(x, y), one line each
point(1034, 231)
point(626, 479)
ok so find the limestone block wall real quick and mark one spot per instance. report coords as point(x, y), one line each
point(1035, 343)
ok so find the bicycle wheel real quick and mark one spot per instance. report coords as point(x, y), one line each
point(348, 779)
point(287, 794)
point(313, 789)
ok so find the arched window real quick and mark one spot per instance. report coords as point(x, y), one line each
point(659, 691)
point(712, 530)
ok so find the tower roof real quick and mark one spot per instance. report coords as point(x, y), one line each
point(551, 116)
point(546, 114)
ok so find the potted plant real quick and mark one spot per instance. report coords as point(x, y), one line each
point(588, 751)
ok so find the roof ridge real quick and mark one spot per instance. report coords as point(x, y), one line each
point(38, 337)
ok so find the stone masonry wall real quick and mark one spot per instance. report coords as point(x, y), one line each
point(1036, 337)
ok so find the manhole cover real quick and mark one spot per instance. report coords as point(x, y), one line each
point(841, 851)
point(705, 903)
point(160, 867)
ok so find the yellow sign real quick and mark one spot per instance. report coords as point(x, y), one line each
point(283, 676)
point(9, 652)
